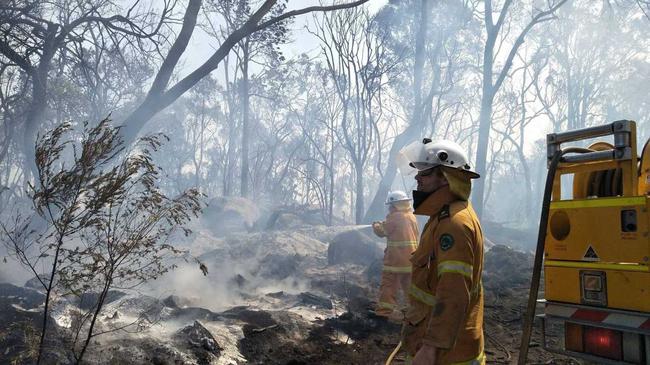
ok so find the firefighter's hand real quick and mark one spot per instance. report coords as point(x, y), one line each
point(426, 355)
point(378, 228)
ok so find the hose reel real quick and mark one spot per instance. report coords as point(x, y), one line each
point(602, 183)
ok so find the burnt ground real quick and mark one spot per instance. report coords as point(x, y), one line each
point(329, 324)
point(355, 338)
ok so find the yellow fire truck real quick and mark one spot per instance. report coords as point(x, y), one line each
point(594, 249)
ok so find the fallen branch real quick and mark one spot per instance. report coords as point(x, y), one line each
point(260, 330)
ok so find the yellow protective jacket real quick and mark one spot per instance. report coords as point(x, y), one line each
point(446, 295)
point(401, 231)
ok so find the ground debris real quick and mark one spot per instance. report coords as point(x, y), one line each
point(294, 307)
point(315, 300)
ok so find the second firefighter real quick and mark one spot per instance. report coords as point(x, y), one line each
point(401, 231)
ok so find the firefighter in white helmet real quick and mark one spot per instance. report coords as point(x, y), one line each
point(401, 231)
point(444, 321)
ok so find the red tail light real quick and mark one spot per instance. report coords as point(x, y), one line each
point(603, 342)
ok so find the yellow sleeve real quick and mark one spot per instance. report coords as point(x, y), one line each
point(390, 225)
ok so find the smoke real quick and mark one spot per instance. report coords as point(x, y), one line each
point(11, 271)
point(187, 281)
point(225, 286)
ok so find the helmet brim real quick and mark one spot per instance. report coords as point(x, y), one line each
point(397, 201)
point(423, 166)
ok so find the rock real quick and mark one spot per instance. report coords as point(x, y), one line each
point(315, 300)
point(285, 220)
point(278, 267)
point(230, 214)
point(255, 318)
point(89, 300)
point(175, 301)
point(199, 340)
point(276, 295)
point(353, 247)
point(505, 267)
point(521, 238)
point(138, 350)
point(192, 313)
point(239, 281)
point(141, 305)
point(34, 283)
point(20, 322)
point(487, 244)
point(26, 298)
point(267, 255)
point(115, 316)
point(373, 272)
point(294, 217)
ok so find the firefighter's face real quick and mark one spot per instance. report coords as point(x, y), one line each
point(430, 180)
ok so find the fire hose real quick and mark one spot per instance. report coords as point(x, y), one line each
point(390, 358)
point(394, 353)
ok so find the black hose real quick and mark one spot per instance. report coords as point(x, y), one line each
point(539, 251)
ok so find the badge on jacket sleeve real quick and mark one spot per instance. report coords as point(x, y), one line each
point(446, 241)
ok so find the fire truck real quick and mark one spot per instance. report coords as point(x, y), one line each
point(594, 249)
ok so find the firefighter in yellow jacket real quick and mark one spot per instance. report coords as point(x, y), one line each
point(401, 231)
point(444, 322)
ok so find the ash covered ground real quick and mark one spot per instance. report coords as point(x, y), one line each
point(292, 291)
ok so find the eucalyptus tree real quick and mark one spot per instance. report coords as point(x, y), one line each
point(594, 62)
point(163, 92)
point(520, 110)
point(261, 49)
point(499, 51)
point(38, 39)
point(435, 42)
point(33, 34)
point(358, 64)
point(315, 108)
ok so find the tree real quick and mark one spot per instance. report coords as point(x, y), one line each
point(495, 42)
point(260, 47)
point(644, 5)
point(316, 109)
point(37, 36)
point(161, 94)
point(35, 33)
point(519, 109)
point(199, 127)
point(358, 63)
point(107, 223)
point(436, 39)
point(415, 124)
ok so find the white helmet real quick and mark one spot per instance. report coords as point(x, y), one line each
point(396, 196)
point(425, 154)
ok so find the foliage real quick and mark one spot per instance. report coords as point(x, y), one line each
point(107, 223)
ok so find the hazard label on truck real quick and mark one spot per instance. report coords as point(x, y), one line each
point(591, 255)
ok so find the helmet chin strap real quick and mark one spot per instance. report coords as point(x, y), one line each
point(420, 196)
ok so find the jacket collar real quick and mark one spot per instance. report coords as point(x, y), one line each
point(431, 203)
